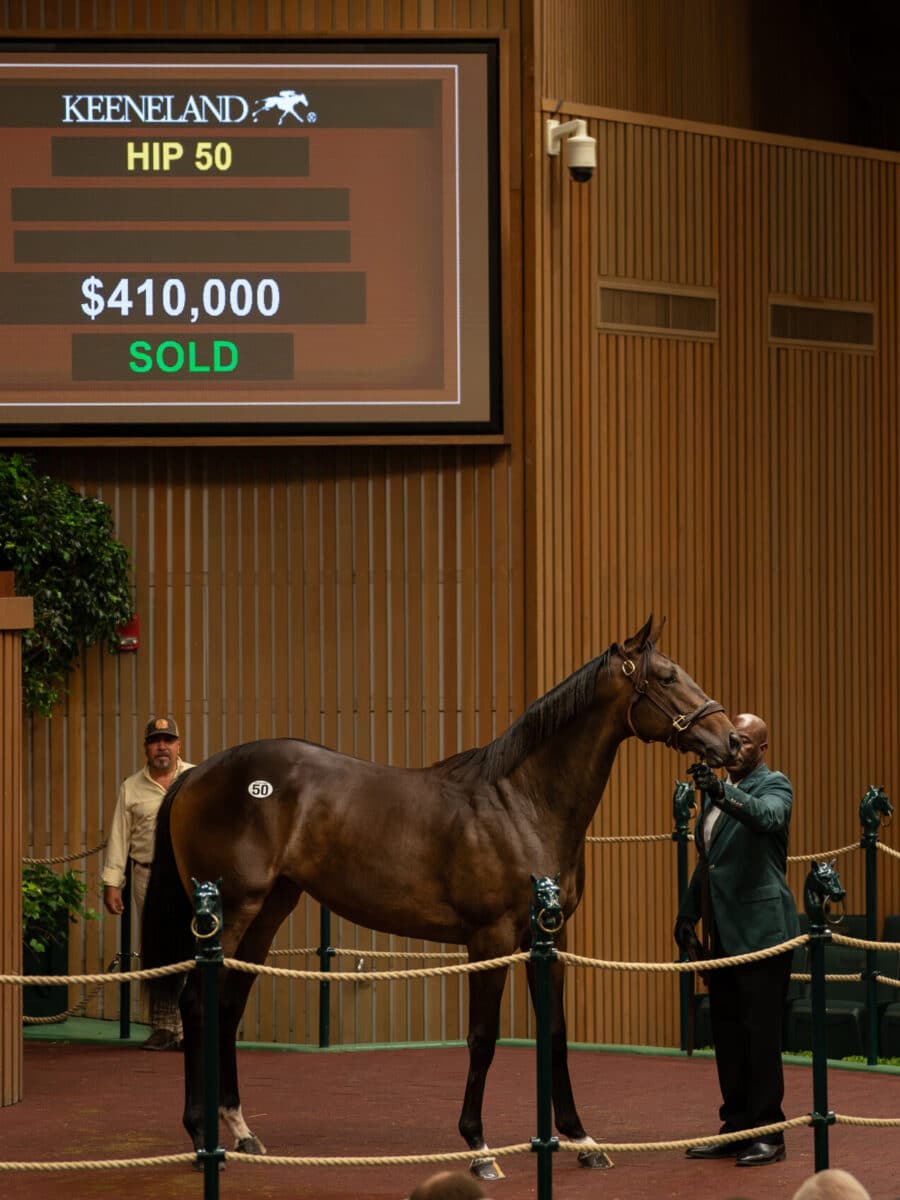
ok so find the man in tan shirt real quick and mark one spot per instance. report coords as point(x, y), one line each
point(131, 835)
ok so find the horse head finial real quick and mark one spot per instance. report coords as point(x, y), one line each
point(546, 912)
point(874, 810)
point(683, 802)
point(822, 888)
point(207, 919)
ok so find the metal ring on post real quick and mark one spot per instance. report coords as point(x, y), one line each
point(217, 925)
point(545, 925)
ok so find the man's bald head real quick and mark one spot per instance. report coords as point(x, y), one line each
point(754, 737)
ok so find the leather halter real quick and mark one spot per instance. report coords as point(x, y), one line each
point(681, 722)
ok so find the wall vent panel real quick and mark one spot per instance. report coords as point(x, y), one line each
point(817, 325)
point(636, 308)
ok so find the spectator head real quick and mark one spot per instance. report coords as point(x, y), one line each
point(833, 1184)
point(449, 1185)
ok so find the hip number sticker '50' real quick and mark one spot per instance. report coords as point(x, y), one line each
point(260, 788)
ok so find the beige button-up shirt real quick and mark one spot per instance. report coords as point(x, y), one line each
point(134, 823)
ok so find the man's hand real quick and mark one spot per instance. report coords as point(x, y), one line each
point(686, 937)
point(112, 900)
point(706, 780)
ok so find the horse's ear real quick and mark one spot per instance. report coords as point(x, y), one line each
point(648, 633)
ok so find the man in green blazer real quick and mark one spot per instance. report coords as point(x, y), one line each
point(740, 891)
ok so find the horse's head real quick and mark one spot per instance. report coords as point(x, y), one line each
point(822, 889)
point(666, 705)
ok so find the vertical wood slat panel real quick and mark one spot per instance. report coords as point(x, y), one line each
point(775, 463)
point(719, 61)
point(15, 618)
point(255, 17)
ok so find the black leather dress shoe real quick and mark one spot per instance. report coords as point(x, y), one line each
point(757, 1154)
point(720, 1150)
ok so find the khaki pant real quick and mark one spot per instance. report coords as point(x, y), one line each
point(163, 1015)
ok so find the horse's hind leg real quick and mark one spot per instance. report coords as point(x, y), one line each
point(192, 1035)
point(233, 992)
point(568, 1121)
point(485, 993)
point(234, 989)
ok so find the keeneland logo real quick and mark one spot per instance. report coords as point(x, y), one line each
point(154, 108)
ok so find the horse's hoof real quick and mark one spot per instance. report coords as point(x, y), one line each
point(249, 1145)
point(486, 1168)
point(595, 1160)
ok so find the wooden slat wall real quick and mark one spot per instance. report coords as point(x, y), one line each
point(16, 616)
point(754, 64)
point(365, 597)
point(745, 490)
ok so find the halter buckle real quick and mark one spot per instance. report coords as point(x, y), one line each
point(628, 667)
point(682, 723)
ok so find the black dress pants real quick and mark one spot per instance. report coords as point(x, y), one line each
point(746, 1009)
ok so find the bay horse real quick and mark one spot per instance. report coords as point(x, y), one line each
point(445, 853)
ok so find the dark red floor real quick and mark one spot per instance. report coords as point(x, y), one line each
point(109, 1102)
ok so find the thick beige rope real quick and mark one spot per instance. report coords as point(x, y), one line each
point(393, 1160)
point(358, 952)
point(589, 1145)
point(488, 964)
point(118, 977)
point(877, 1122)
point(102, 1164)
point(759, 1131)
point(637, 837)
point(823, 853)
point(64, 858)
point(860, 943)
point(707, 964)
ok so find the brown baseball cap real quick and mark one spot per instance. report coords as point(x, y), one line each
point(161, 725)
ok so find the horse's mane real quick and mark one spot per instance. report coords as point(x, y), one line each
point(537, 723)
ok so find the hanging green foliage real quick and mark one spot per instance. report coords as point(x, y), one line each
point(62, 548)
point(50, 900)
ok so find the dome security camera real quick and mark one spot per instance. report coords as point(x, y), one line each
point(581, 148)
point(581, 157)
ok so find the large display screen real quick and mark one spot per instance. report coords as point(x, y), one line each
point(272, 240)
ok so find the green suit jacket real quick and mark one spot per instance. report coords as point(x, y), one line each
point(751, 905)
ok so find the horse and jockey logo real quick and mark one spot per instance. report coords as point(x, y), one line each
point(285, 102)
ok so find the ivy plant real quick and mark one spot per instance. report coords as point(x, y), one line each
point(62, 548)
point(50, 899)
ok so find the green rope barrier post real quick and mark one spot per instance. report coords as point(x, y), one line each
point(125, 957)
point(822, 886)
point(546, 921)
point(873, 809)
point(683, 801)
point(326, 953)
point(206, 926)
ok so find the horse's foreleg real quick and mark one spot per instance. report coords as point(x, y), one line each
point(485, 993)
point(568, 1121)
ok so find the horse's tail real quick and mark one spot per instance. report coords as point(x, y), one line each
point(166, 925)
